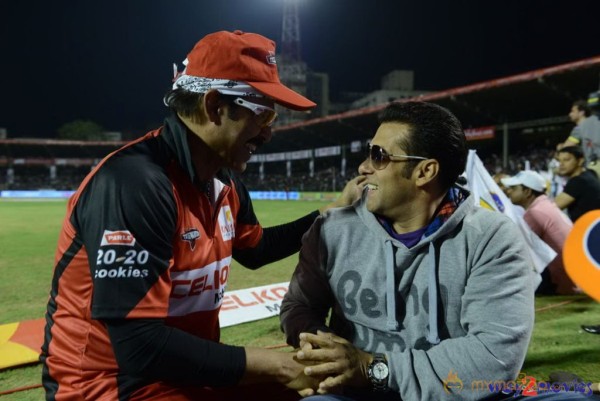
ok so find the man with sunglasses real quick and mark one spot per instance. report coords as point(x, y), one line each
point(412, 293)
point(147, 243)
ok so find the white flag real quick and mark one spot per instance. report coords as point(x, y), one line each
point(484, 188)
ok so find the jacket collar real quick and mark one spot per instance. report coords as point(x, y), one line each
point(174, 134)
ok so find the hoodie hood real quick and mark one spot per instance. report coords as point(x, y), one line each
point(432, 238)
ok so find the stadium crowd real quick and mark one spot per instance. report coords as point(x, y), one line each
point(331, 179)
point(39, 177)
point(327, 179)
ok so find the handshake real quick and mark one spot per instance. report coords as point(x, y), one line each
point(325, 363)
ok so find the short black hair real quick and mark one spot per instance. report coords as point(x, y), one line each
point(583, 105)
point(574, 150)
point(537, 193)
point(435, 133)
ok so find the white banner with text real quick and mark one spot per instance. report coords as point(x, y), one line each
point(241, 306)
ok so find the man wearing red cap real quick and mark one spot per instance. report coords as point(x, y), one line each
point(146, 246)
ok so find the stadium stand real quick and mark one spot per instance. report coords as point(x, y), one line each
point(511, 121)
point(33, 164)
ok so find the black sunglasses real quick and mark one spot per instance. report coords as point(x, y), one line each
point(380, 158)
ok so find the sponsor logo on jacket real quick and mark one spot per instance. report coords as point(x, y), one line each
point(120, 237)
point(199, 289)
point(226, 223)
point(191, 235)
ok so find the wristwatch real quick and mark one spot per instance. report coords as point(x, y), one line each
point(379, 373)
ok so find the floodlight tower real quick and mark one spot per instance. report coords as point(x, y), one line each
point(292, 70)
point(290, 31)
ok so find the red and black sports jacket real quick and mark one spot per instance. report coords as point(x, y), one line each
point(140, 271)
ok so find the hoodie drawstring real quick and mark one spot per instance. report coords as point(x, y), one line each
point(433, 336)
point(390, 287)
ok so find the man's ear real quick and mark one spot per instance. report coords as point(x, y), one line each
point(213, 106)
point(427, 171)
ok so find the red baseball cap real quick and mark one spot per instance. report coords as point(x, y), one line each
point(246, 57)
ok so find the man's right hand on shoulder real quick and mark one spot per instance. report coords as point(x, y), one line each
point(350, 194)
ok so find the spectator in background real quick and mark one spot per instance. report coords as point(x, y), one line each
point(585, 134)
point(557, 182)
point(582, 191)
point(498, 180)
point(528, 189)
point(580, 195)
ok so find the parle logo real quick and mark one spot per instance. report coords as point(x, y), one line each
point(119, 237)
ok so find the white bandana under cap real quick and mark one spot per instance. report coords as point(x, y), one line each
point(203, 85)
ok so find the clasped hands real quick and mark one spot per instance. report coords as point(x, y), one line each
point(330, 363)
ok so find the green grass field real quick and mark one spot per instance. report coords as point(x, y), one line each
point(28, 234)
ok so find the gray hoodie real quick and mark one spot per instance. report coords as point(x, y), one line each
point(452, 312)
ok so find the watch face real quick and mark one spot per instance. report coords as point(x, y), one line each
point(380, 371)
